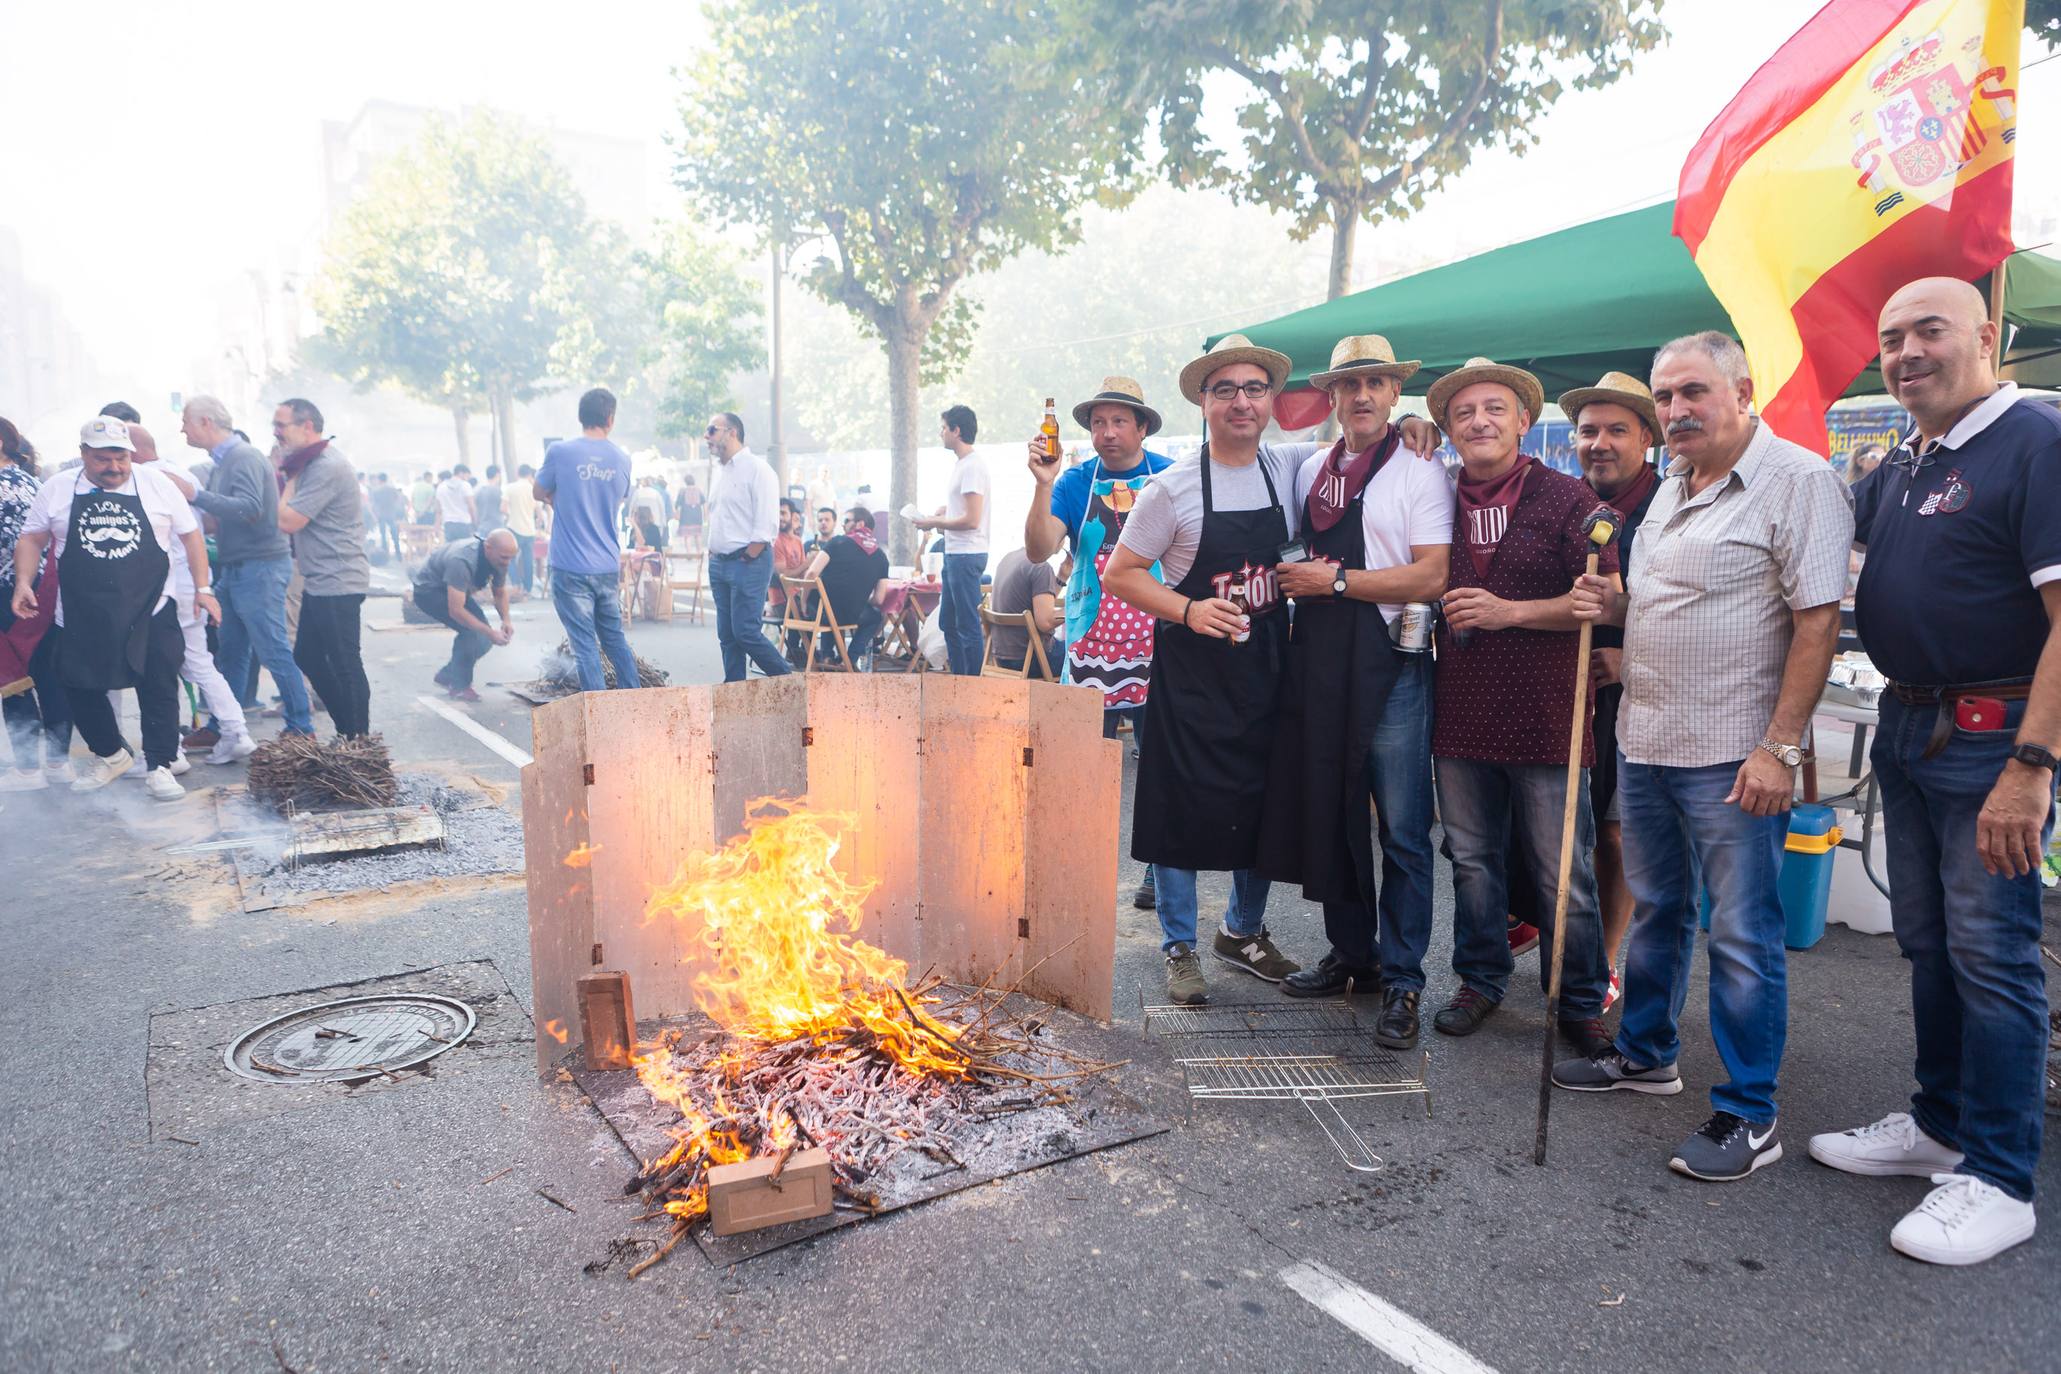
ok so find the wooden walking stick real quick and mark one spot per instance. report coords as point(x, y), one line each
point(1602, 527)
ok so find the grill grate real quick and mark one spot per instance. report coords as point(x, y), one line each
point(1317, 1054)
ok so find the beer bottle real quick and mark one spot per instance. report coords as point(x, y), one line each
point(1050, 431)
point(1242, 599)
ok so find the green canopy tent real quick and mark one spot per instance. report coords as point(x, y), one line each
point(1574, 304)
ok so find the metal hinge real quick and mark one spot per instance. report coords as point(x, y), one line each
point(1026, 756)
point(1023, 927)
point(587, 774)
point(808, 735)
point(596, 954)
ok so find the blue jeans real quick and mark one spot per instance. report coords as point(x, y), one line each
point(253, 597)
point(1978, 997)
point(593, 618)
point(739, 587)
point(1246, 914)
point(1477, 802)
point(1676, 822)
point(959, 614)
point(1399, 773)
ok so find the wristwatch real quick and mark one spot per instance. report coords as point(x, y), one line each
point(1338, 583)
point(2035, 756)
point(1790, 754)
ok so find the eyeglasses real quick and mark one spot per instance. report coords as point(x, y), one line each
point(711, 429)
point(1229, 391)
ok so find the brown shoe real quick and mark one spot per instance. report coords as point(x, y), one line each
point(1464, 1014)
point(206, 737)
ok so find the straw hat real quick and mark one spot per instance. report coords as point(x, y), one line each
point(1618, 388)
point(1363, 353)
point(1530, 394)
point(1123, 391)
point(1232, 348)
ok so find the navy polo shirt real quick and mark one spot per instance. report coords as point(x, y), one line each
point(1958, 551)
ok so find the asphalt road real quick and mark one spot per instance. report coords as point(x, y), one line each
point(374, 1233)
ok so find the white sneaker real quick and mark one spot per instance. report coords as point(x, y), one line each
point(1962, 1221)
point(23, 780)
point(60, 771)
point(233, 748)
point(137, 768)
point(162, 786)
point(180, 766)
point(99, 772)
point(1892, 1146)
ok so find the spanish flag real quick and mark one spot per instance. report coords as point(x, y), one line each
point(1873, 148)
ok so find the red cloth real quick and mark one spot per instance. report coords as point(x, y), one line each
point(21, 638)
point(1345, 475)
point(1508, 696)
point(1627, 500)
point(1485, 511)
point(292, 465)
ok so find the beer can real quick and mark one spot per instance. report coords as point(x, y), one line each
point(1411, 630)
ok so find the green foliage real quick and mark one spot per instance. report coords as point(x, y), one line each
point(459, 269)
point(703, 314)
point(2043, 17)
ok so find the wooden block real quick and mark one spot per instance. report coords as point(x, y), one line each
point(608, 1025)
point(745, 1197)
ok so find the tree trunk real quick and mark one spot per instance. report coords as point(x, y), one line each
point(504, 431)
point(904, 350)
point(461, 419)
point(778, 444)
point(1345, 227)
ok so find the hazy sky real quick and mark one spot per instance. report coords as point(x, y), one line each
point(212, 137)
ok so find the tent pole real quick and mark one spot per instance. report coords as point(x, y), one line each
point(1996, 313)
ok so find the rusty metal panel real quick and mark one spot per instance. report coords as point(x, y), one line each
point(758, 746)
point(863, 763)
point(970, 841)
point(1075, 785)
point(561, 900)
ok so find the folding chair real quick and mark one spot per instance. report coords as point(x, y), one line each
point(1034, 648)
point(685, 572)
point(817, 619)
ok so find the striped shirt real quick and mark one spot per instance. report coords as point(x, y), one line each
point(1710, 618)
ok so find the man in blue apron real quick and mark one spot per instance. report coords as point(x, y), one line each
point(117, 618)
point(1108, 641)
point(1215, 524)
point(1356, 709)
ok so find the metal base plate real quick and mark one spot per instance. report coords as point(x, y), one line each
point(351, 1039)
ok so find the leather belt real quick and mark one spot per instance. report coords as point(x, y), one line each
point(1946, 698)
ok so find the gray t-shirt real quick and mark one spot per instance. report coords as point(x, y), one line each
point(1018, 582)
point(330, 549)
point(486, 507)
point(1166, 524)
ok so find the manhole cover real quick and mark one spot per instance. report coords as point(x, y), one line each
point(358, 1037)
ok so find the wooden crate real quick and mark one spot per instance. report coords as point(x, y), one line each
point(984, 811)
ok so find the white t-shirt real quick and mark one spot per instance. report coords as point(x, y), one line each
point(164, 505)
point(969, 478)
point(1408, 502)
point(1166, 524)
point(454, 502)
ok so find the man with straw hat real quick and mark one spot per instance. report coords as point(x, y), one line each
point(1505, 694)
point(1215, 525)
point(1108, 641)
point(1355, 719)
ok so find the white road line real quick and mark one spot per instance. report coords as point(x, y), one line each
point(479, 732)
point(1390, 1330)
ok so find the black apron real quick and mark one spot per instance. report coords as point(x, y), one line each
point(1341, 667)
point(1202, 770)
point(112, 572)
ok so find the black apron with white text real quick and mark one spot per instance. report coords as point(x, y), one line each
point(1202, 770)
point(112, 574)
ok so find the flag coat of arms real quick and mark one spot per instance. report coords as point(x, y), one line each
point(1873, 148)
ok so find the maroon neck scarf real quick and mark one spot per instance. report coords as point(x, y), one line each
point(866, 539)
point(290, 466)
point(1633, 492)
point(1485, 509)
point(1345, 475)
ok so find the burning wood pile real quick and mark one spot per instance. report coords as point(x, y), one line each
point(301, 773)
point(820, 1039)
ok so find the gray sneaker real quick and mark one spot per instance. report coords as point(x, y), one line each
point(1255, 954)
point(1184, 982)
point(1726, 1148)
point(1609, 1070)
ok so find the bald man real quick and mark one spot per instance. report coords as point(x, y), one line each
point(1962, 525)
point(233, 741)
point(444, 591)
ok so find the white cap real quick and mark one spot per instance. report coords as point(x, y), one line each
point(104, 431)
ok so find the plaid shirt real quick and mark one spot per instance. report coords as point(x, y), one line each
point(1709, 623)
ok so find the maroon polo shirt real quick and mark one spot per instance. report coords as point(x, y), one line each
point(1508, 697)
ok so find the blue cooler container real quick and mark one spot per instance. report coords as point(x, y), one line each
point(1806, 881)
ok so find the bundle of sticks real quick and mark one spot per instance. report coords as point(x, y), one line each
point(559, 676)
point(864, 1106)
point(300, 773)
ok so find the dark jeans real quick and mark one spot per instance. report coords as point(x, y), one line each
point(253, 597)
point(589, 608)
point(157, 697)
point(739, 586)
point(468, 648)
point(390, 536)
point(1978, 996)
point(1677, 823)
point(1477, 800)
point(39, 720)
point(525, 570)
point(1399, 781)
point(327, 649)
point(454, 530)
point(959, 616)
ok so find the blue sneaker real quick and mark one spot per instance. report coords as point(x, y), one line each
point(1727, 1148)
